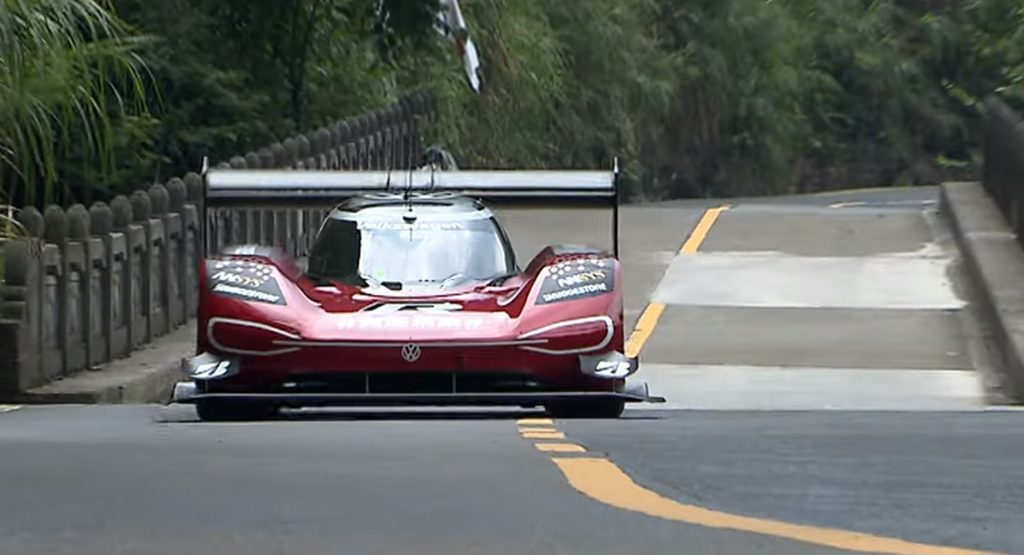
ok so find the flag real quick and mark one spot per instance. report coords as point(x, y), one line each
point(452, 25)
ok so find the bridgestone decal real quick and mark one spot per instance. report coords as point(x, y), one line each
point(249, 281)
point(250, 294)
point(581, 291)
point(577, 279)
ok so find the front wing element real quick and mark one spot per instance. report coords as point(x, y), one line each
point(187, 392)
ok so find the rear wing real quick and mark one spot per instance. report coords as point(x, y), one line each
point(227, 188)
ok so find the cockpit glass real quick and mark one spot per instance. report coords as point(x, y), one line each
point(422, 252)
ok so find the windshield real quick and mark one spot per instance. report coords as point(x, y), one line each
point(428, 251)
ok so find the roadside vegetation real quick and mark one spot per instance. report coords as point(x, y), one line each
point(699, 97)
point(69, 77)
point(10, 228)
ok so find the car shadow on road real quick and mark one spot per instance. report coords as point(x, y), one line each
point(186, 415)
point(406, 414)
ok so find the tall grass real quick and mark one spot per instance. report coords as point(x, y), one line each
point(67, 65)
point(10, 228)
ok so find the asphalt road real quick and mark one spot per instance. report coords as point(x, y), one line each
point(828, 389)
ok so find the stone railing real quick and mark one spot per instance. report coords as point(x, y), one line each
point(1004, 162)
point(89, 285)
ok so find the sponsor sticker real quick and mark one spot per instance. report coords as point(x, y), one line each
point(402, 226)
point(249, 281)
point(582, 278)
point(239, 279)
point(209, 367)
point(577, 279)
point(247, 293)
point(407, 323)
point(574, 292)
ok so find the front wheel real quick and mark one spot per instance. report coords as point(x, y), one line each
point(219, 410)
point(603, 408)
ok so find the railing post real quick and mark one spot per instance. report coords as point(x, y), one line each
point(55, 294)
point(139, 270)
point(78, 270)
point(100, 303)
point(122, 286)
point(160, 266)
point(21, 322)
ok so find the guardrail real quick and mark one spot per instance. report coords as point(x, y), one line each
point(89, 285)
point(1004, 162)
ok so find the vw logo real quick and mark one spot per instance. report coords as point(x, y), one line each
point(411, 352)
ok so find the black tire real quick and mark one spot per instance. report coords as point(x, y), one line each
point(604, 408)
point(211, 410)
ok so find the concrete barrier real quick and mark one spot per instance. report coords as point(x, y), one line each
point(1004, 161)
point(995, 262)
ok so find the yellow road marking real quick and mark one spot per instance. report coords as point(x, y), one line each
point(649, 318)
point(701, 231)
point(603, 481)
point(842, 192)
point(9, 408)
point(535, 422)
point(560, 448)
point(643, 329)
point(544, 435)
point(541, 430)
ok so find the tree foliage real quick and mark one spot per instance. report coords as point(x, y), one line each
point(730, 97)
point(698, 97)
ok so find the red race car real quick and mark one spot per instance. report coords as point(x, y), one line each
point(411, 295)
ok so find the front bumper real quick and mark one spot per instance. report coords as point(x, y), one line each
point(603, 378)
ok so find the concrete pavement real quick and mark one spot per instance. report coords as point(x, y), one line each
point(122, 480)
point(851, 305)
point(142, 479)
point(943, 479)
